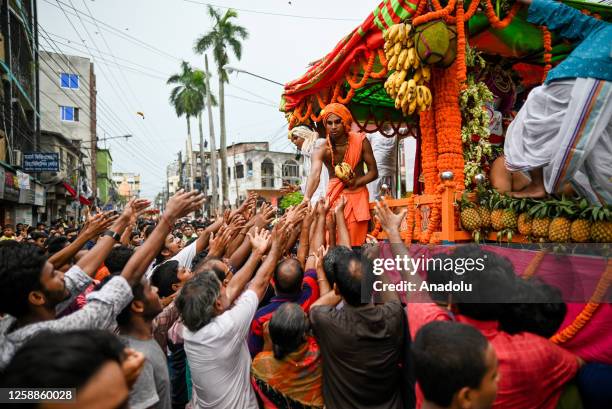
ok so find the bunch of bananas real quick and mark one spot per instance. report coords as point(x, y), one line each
point(344, 172)
point(407, 82)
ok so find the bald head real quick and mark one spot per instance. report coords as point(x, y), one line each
point(288, 277)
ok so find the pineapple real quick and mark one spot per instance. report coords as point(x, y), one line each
point(470, 219)
point(580, 230)
point(497, 213)
point(524, 224)
point(581, 227)
point(559, 230)
point(509, 219)
point(541, 220)
point(601, 229)
point(485, 217)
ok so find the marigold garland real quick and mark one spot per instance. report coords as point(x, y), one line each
point(366, 73)
point(443, 13)
point(547, 40)
point(408, 233)
point(383, 62)
point(495, 21)
point(429, 150)
point(418, 224)
point(587, 312)
point(467, 15)
point(461, 68)
point(534, 264)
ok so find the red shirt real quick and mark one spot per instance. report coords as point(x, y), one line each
point(533, 370)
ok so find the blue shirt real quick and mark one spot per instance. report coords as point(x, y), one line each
point(592, 57)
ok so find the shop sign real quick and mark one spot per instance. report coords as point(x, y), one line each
point(24, 180)
point(11, 186)
point(41, 162)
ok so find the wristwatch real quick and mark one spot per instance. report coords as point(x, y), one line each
point(115, 236)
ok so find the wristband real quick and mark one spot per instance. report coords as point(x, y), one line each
point(115, 236)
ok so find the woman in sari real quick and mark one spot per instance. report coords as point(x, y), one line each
point(289, 375)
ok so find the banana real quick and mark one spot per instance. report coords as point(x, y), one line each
point(392, 63)
point(398, 102)
point(412, 106)
point(397, 48)
point(417, 76)
point(411, 86)
point(411, 56)
point(402, 33)
point(417, 61)
point(426, 71)
point(402, 91)
point(386, 46)
point(408, 29)
point(420, 95)
point(393, 32)
point(400, 78)
point(409, 43)
point(427, 96)
point(402, 58)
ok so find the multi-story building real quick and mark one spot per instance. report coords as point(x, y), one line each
point(173, 178)
point(68, 107)
point(104, 176)
point(128, 184)
point(253, 167)
point(19, 107)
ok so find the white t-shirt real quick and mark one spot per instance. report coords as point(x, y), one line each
point(184, 258)
point(219, 358)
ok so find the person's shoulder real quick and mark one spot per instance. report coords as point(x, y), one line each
point(320, 313)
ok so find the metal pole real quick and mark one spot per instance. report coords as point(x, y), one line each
point(398, 168)
point(213, 144)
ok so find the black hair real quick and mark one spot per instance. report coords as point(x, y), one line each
point(288, 276)
point(39, 235)
point(330, 258)
point(117, 259)
point(539, 309)
point(62, 359)
point(349, 274)
point(55, 244)
point(21, 265)
point(288, 329)
point(203, 265)
point(492, 286)
point(164, 276)
point(148, 230)
point(448, 356)
point(123, 318)
point(198, 258)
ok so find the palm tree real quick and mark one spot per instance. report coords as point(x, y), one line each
point(224, 34)
point(188, 99)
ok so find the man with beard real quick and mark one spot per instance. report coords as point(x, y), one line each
point(348, 149)
point(152, 389)
point(32, 291)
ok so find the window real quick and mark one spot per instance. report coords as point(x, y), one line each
point(229, 172)
point(291, 172)
point(239, 172)
point(249, 168)
point(70, 114)
point(69, 80)
point(267, 173)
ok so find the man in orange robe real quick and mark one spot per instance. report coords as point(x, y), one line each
point(344, 145)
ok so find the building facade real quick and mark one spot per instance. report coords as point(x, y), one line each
point(104, 177)
point(68, 107)
point(128, 184)
point(252, 167)
point(19, 108)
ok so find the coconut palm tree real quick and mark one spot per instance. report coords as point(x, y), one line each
point(189, 99)
point(224, 35)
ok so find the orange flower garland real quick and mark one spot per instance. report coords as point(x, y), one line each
point(429, 150)
point(418, 223)
point(534, 264)
point(366, 73)
point(461, 68)
point(468, 14)
point(585, 315)
point(407, 234)
point(495, 21)
point(435, 15)
point(383, 62)
point(547, 40)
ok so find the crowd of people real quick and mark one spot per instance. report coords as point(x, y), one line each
point(255, 309)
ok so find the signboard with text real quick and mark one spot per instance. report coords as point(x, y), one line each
point(41, 162)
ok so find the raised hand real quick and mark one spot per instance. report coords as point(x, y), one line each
point(339, 210)
point(134, 207)
point(98, 224)
point(389, 221)
point(219, 243)
point(183, 203)
point(259, 240)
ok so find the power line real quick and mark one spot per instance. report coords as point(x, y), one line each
point(107, 27)
point(250, 100)
point(267, 13)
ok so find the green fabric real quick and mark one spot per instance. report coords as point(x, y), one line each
point(570, 398)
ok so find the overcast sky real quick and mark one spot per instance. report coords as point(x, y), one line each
point(278, 47)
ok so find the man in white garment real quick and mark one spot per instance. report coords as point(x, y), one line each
point(308, 142)
point(386, 161)
point(563, 133)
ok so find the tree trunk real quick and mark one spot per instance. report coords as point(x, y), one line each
point(223, 141)
point(190, 154)
point(213, 143)
point(202, 159)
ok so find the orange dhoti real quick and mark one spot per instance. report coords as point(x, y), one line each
point(357, 208)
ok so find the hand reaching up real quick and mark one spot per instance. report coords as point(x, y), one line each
point(389, 221)
point(218, 243)
point(183, 203)
point(134, 207)
point(98, 224)
point(259, 240)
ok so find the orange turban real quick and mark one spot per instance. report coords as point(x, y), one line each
point(342, 112)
